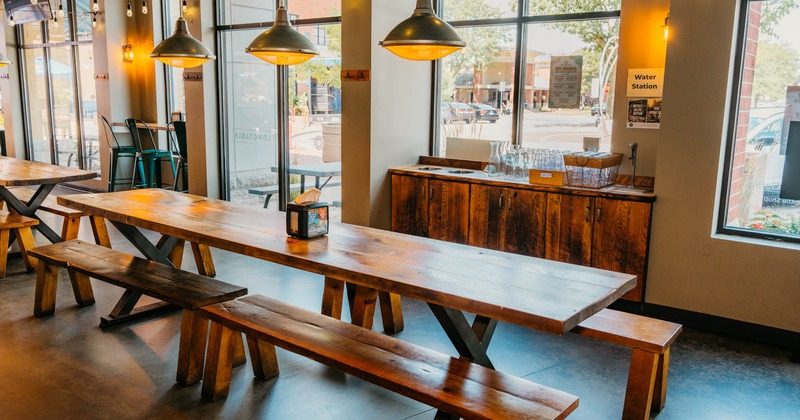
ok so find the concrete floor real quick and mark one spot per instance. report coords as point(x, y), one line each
point(65, 366)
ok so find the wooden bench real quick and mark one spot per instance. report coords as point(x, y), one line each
point(72, 217)
point(650, 340)
point(270, 190)
point(181, 288)
point(457, 386)
point(21, 226)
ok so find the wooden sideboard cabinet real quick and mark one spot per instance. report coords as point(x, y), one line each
point(600, 228)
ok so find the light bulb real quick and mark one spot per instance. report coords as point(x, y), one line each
point(11, 21)
point(94, 21)
point(184, 6)
point(129, 12)
point(95, 6)
point(34, 1)
point(144, 7)
point(55, 21)
point(61, 10)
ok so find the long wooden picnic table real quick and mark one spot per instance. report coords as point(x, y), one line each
point(17, 173)
point(544, 295)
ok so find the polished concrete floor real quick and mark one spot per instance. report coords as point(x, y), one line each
point(65, 366)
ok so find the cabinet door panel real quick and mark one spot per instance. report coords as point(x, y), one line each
point(619, 241)
point(448, 211)
point(523, 224)
point(569, 229)
point(410, 205)
point(485, 215)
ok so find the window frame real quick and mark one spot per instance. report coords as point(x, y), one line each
point(729, 147)
point(521, 22)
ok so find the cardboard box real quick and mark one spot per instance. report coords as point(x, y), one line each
point(543, 177)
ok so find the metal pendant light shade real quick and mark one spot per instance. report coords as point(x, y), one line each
point(182, 49)
point(423, 36)
point(4, 61)
point(281, 44)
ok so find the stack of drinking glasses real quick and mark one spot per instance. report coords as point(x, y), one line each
point(514, 161)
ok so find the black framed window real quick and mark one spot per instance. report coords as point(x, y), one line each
point(498, 87)
point(249, 92)
point(59, 99)
point(761, 178)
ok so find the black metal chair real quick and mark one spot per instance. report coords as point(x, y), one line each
point(149, 156)
point(117, 150)
point(177, 132)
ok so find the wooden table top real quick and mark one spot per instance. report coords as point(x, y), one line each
point(17, 172)
point(152, 126)
point(537, 293)
point(315, 169)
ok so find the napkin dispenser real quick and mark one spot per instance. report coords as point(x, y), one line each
point(306, 217)
point(307, 220)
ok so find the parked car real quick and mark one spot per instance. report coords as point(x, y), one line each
point(595, 107)
point(447, 113)
point(485, 113)
point(462, 112)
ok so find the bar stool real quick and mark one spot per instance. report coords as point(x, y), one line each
point(116, 151)
point(150, 157)
point(177, 132)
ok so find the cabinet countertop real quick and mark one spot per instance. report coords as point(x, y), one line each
point(616, 191)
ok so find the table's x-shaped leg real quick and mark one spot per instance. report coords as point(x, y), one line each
point(168, 250)
point(471, 341)
point(29, 209)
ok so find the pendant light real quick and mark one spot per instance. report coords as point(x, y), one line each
point(281, 44)
point(423, 36)
point(182, 49)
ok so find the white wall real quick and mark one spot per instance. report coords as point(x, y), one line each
point(690, 267)
point(384, 121)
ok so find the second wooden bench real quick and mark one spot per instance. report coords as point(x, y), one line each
point(181, 288)
point(650, 340)
point(456, 386)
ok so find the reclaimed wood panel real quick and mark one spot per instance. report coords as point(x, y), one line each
point(410, 205)
point(448, 211)
point(523, 226)
point(619, 241)
point(486, 216)
point(569, 229)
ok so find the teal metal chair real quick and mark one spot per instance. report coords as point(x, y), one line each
point(117, 151)
point(177, 132)
point(149, 156)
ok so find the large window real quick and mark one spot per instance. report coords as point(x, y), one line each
point(499, 86)
point(761, 197)
point(249, 92)
point(60, 101)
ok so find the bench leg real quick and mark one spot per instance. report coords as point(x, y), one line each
point(332, 298)
point(660, 389)
point(363, 313)
point(239, 356)
point(263, 358)
point(203, 259)
point(44, 303)
point(100, 231)
point(192, 348)
point(81, 288)
point(391, 312)
point(69, 230)
point(4, 235)
point(26, 242)
point(641, 381)
point(219, 362)
point(266, 201)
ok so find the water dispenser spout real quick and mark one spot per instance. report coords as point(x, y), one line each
point(634, 147)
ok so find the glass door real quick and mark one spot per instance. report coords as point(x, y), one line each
point(58, 86)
